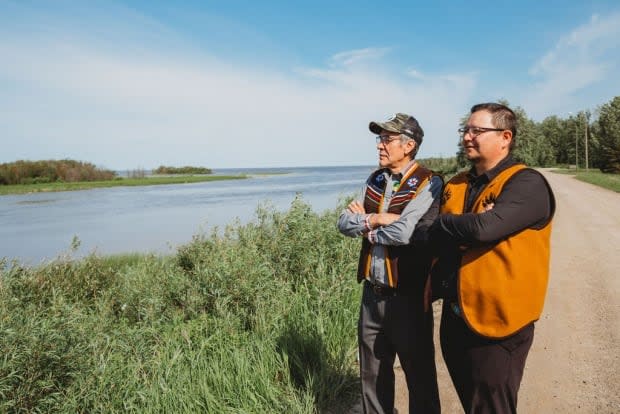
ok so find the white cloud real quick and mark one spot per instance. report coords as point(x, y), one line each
point(353, 57)
point(75, 99)
point(124, 90)
point(416, 74)
point(581, 60)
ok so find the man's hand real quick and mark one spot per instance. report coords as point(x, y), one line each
point(374, 220)
point(383, 219)
point(356, 207)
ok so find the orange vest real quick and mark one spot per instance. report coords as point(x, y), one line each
point(501, 287)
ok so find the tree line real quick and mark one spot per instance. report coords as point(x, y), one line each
point(579, 140)
point(162, 169)
point(49, 171)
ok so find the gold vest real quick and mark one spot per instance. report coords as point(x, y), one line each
point(501, 287)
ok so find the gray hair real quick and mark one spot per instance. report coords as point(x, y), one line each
point(404, 138)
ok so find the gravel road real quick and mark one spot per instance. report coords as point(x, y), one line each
point(574, 363)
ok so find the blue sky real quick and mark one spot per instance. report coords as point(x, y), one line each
point(138, 84)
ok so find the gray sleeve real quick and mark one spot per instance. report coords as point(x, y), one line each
point(350, 224)
point(400, 231)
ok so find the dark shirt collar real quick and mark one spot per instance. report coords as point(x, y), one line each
point(493, 172)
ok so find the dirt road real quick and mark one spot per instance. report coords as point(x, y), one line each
point(574, 364)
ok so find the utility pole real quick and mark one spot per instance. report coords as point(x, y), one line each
point(577, 116)
point(576, 146)
point(586, 115)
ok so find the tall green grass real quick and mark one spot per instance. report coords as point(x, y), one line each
point(609, 181)
point(605, 180)
point(258, 319)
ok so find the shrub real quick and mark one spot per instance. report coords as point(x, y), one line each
point(258, 318)
point(33, 172)
point(181, 170)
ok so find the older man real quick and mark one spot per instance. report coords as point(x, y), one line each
point(492, 238)
point(398, 198)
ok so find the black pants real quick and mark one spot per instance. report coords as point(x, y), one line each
point(485, 372)
point(390, 326)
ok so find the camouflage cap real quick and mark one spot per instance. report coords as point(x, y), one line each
point(401, 124)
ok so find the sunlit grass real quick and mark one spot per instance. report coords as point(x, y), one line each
point(596, 177)
point(259, 318)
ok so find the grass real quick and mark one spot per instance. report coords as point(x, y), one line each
point(261, 318)
point(119, 182)
point(608, 181)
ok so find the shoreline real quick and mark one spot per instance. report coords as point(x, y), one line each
point(18, 189)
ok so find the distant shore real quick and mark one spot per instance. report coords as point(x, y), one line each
point(118, 182)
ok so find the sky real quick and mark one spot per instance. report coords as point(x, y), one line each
point(231, 84)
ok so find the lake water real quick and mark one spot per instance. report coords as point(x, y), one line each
point(40, 226)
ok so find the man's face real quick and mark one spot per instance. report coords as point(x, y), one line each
point(487, 146)
point(393, 153)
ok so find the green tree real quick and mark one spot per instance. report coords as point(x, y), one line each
point(461, 160)
point(595, 147)
point(566, 136)
point(554, 132)
point(45, 171)
point(531, 145)
point(608, 136)
point(534, 145)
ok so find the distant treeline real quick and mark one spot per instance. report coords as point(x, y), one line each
point(181, 170)
point(444, 166)
point(556, 141)
point(48, 171)
point(568, 141)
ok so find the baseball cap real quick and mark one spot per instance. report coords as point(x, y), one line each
point(401, 124)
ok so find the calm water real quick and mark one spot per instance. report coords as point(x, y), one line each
point(38, 227)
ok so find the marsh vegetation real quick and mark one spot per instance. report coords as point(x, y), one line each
point(22, 177)
point(260, 318)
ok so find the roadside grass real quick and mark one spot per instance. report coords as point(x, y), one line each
point(118, 182)
point(258, 318)
point(605, 180)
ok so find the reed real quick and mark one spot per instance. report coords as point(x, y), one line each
point(254, 318)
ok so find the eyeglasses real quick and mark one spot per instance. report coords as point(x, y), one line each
point(475, 131)
point(386, 139)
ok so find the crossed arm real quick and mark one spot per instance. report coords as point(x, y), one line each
point(388, 228)
point(525, 203)
point(374, 220)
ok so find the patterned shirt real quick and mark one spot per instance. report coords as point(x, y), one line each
point(397, 233)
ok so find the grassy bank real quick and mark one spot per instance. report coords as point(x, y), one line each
point(118, 182)
point(609, 181)
point(260, 319)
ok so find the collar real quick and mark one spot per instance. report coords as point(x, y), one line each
point(508, 161)
point(399, 175)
